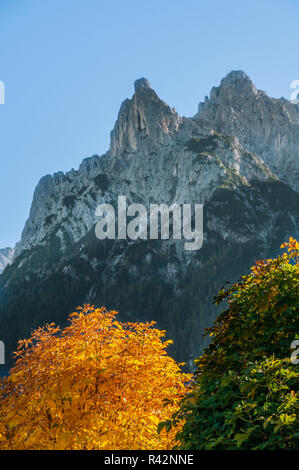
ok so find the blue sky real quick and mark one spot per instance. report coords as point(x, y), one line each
point(67, 65)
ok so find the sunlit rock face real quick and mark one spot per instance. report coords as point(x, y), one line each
point(144, 122)
point(264, 125)
point(237, 156)
point(6, 256)
point(150, 155)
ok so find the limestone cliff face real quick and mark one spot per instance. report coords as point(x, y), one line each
point(154, 156)
point(6, 256)
point(266, 126)
point(145, 122)
point(231, 157)
point(64, 203)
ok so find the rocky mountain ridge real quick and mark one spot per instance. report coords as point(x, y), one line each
point(263, 125)
point(146, 125)
point(155, 156)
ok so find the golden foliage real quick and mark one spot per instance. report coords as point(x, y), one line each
point(97, 384)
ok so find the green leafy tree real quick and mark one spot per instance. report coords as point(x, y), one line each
point(246, 391)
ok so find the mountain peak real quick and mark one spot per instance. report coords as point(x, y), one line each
point(236, 83)
point(141, 84)
point(236, 76)
point(143, 122)
point(238, 79)
point(263, 125)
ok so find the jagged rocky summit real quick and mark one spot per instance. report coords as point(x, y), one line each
point(264, 125)
point(238, 156)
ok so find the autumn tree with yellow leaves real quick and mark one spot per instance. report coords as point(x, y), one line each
point(97, 384)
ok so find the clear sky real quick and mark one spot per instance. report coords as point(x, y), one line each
point(68, 64)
